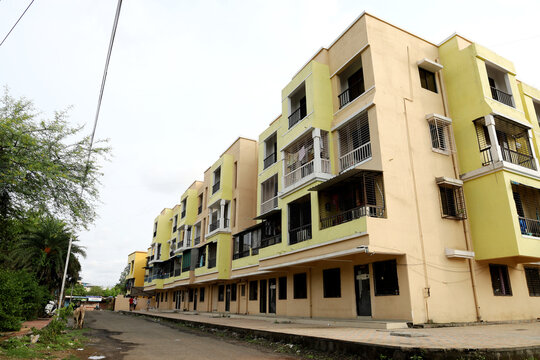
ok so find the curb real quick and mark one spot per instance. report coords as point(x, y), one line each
point(364, 351)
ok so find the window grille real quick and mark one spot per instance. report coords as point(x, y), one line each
point(452, 202)
point(532, 275)
point(484, 143)
point(500, 280)
point(269, 190)
point(354, 142)
point(527, 202)
point(300, 220)
point(441, 135)
point(299, 153)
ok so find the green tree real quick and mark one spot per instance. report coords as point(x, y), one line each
point(96, 291)
point(78, 290)
point(43, 166)
point(41, 249)
point(122, 281)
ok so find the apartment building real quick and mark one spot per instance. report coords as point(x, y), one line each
point(135, 277)
point(399, 182)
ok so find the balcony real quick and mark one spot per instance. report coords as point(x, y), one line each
point(197, 240)
point(269, 205)
point(501, 96)
point(518, 158)
point(177, 272)
point(299, 234)
point(530, 227)
point(355, 156)
point(351, 93)
point(215, 187)
point(299, 173)
point(213, 226)
point(269, 160)
point(241, 254)
point(297, 115)
point(269, 241)
point(352, 214)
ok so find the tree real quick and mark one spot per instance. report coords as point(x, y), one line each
point(43, 166)
point(41, 249)
point(122, 281)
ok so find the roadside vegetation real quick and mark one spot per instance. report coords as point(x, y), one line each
point(48, 190)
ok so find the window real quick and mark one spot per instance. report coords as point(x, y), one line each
point(385, 278)
point(253, 290)
point(217, 178)
point(184, 204)
point(537, 110)
point(297, 105)
point(201, 294)
point(300, 286)
point(300, 220)
point(270, 150)
point(452, 201)
point(332, 283)
point(221, 292)
point(269, 190)
point(532, 275)
point(499, 85)
point(233, 292)
point(175, 223)
point(235, 172)
point(199, 209)
point(427, 80)
point(155, 229)
point(499, 280)
point(190, 295)
point(440, 132)
point(243, 290)
point(351, 82)
point(354, 141)
point(282, 283)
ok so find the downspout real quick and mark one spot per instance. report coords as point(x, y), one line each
point(464, 222)
point(418, 218)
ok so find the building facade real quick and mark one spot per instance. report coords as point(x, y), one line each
point(400, 181)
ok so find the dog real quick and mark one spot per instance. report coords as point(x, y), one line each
point(78, 317)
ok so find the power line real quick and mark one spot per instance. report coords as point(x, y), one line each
point(100, 98)
point(19, 19)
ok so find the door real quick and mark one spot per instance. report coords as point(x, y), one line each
point(195, 299)
point(228, 298)
point(262, 299)
point(362, 287)
point(272, 296)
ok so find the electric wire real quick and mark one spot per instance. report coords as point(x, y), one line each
point(90, 145)
point(19, 19)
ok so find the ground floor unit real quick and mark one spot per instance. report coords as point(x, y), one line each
point(367, 285)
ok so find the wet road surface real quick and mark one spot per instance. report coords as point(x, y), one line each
point(117, 336)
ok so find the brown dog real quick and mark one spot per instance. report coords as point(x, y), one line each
point(78, 317)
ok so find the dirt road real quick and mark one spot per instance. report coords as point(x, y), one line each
point(117, 336)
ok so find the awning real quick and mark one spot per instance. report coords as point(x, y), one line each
point(139, 291)
point(352, 173)
point(520, 184)
point(251, 228)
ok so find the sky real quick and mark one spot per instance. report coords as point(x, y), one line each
point(186, 78)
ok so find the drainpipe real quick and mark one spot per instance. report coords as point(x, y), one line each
point(464, 222)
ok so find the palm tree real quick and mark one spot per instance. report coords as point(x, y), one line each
point(41, 249)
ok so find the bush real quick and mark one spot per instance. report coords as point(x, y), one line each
point(21, 298)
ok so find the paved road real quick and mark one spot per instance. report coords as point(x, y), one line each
point(117, 336)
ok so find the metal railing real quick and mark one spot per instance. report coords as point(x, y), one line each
point(325, 166)
point(354, 157)
point(241, 254)
point(300, 234)
point(215, 187)
point(269, 160)
point(486, 156)
point(351, 93)
point(501, 96)
point(269, 205)
point(518, 158)
point(197, 240)
point(529, 227)
point(296, 116)
point(271, 240)
point(213, 226)
point(298, 174)
point(352, 214)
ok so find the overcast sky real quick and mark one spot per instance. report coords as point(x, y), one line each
point(187, 78)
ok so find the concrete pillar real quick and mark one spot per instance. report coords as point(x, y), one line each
point(317, 151)
point(496, 153)
point(221, 214)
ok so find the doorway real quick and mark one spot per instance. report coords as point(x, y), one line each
point(262, 300)
point(228, 298)
point(272, 296)
point(195, 299)
point(363, 292)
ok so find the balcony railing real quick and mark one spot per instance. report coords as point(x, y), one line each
point(518, 158)
point(355, 157)
point(298, 174)
point(529, 227)
point(351, 93)
point(269, 241)
point(197, 240)
point(213, 226)
point(486, 156)
point(352, 214)
point(269, 160)
point(241, 254)
point(501, 96)
point(269, 205)
point(296, 116)
point(215, 187)
point(300, 234)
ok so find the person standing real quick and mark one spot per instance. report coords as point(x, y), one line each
point(134, 303)
point(130, 304)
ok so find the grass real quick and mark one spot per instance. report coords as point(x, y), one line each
point(55, 341)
